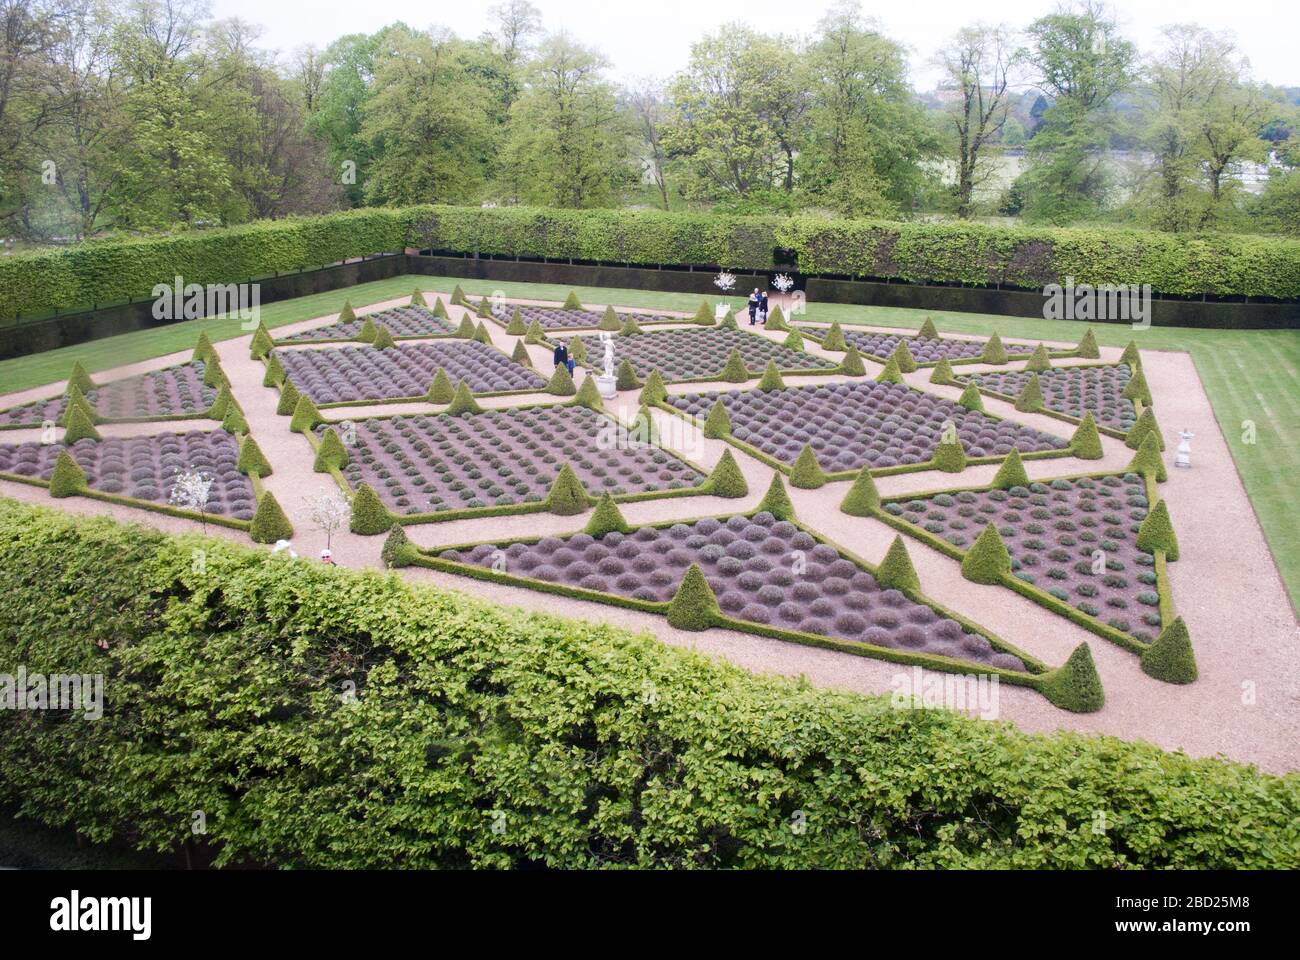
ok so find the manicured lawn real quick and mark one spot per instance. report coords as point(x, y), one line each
point(1250, 375)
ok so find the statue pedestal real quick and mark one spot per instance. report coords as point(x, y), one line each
point(607, 386)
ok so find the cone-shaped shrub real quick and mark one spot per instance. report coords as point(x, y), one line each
point(903, 354)
point(970, 398)
point(629, 326)
point(627, 376)
point(466, 329)
point(1137, 389)
point(641, 428)
point(794, 341)
point(1031, 397)
point(535, 334)
point(269, 522)
point(1039, 360)
point(75, 398)
point(288, 399)
point(252, 462)
point(775, 319)
point(1146, 425)
point(1131, 355)
point(233, 421)
point(484, 309)
point(567, 496)
point(347, 314)
point(694, 606)
point(1086, 442)
point(203, 350)
point(734, 371)
point(213, 375)
point(79, 426)
point(1170, 658)
point(520, 354)
point(1011, 473)
point(417, 298)
point(588, 396)
point(577, 351)
point(261, 344)
point(440, 389)
point(369, 515)
point(987, 561)
point(571, 302)
point(729, 322)
point(481, 334)
point(220, 405)
point(777, 501)
point(863, 498)
point(1087, 347)
point(771, 379)
point(943, 372)
point(726, 480)
point(331, 454)
point(305, 415)
point(1157, 532)
point(462, 401)
point(368, 331)
point(1148, 460)
point(383, 339)
point(1075, 685)
point(834, 339)
point(928, 331)
point(654, 390)
point(606, 518)
point(458, 295)
point(896, 571)
point(609, 321)
point(398, 549)
point(440, 309)
point(994, 352)
point(517, 327)
point(81, 379)
point(891, 373)
point(561, 383)
point(718, 423)
point(950, 457)
point(274, 372)
point(807, 473)
point(852, 365)
point(68, 479)
point(703, 315)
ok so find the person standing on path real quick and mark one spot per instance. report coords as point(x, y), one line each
point(561, 357)
point(753, 307)
point(762, 306)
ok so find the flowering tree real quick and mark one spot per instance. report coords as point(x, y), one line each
point(191, 491)
point(328, 512)
point(783, 282)
point(724, 281)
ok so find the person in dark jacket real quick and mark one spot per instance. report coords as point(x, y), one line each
point(561, 357)
point(753, 307)
point(762, 306)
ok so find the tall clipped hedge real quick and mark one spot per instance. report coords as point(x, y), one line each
point(469, 743)
point(1026, 257)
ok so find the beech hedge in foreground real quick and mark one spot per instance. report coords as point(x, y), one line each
point(481, 736)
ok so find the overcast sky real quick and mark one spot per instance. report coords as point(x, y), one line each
point(653, 37)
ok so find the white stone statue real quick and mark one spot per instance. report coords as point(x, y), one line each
point(608, 340)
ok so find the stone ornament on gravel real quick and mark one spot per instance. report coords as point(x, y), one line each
point(559, 318)
point(433, 464)
point(851, 425)
point(172, 392)
point(762, 571)
point(1072, 391)
point(146, 468)
point(361, 374)
point(409, 321)
point(700, 354)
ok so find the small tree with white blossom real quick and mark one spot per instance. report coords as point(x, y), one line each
point(328, 512)
point(783, 282)
point(191, 490)
point(724, 281)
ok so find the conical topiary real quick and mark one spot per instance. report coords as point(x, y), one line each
point(777, 501)
point(440, 310)
point(368, 331)
point(417, 298)
point(1031, 397)
point(942, 373)
point(76, 401)
point(994, 352)
point(578, 350)
point(626, 379)
point(928, 331)
point(203, 350)
point(1170, 657)
point(987, 561)
point(896, 571)
point(1137, 389)
point(834, 339)
point(890, 373)
point(261, 344)
point(734, 370)
point(1131, 355)
point(347, 314)
point(609, 321)
point(571, 302)
point(68, 479)
point(694, 606)
point(535, 334)
point(794, 341)
point(726, 480)
point(1145, 426)
point(269, 522)
point(1087, 347)
point(213, 375)
point(520, 354)
point(771, 379)
point(234, 422)
point(567, 496)
point(462, 401)
point(288, 399)
point(903, 354)
point(729, 322)
point(970, 398)
point(863, 498)
point(398, 550)
point(641, 428)
point(383, 339)
point(1148, 460)
point(331, 454)
point(458, 296)
point(775, 319)
point(606, 518)
point(369, 515)
point(274, 372)
point(220, 405)
point(1086, 442)
point(79, 426)
point(81, 379)
point(517, 327)
point(807, 473)
point(561, 383)
point(466, 329)
point(703, 315)
point(252, 462)
point(629, 326)
point(1039, 361)
point(852, 365)
point(1011, 473)
point(305, 415)
point(949, 456)
point(481, 334)
point(654, 390)
point(484, 308)
point(588, 396)
point(718, 423)
point(440, 389)
point(1075, 685)
point(1157, 533)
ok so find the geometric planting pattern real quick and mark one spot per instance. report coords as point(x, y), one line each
point(1072, 391)
point(408, 321)
point(169, 392)
point(700, 353)
point(880, 346)
point(559, 318)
